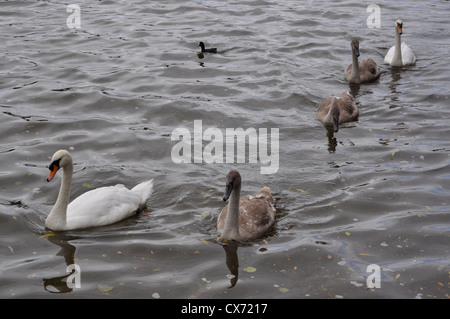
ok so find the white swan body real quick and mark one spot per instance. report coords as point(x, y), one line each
point(245, 218)
point(98, 207)
point(400, 54)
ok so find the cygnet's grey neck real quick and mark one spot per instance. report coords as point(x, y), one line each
point(231, 227)
point(354, 77)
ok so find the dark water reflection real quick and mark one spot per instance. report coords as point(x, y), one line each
point(59, 284)
point(232, 261)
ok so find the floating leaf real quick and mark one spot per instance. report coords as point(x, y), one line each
point(398, 275)
point(347, 233)
point(393, 153)
point(156, 295)
point(300, 190)
point(204, 241)
point(104, 288)
point(357, 284)
point(283, 290)
point(250, 269)
point(47, 235)
point(86, 185)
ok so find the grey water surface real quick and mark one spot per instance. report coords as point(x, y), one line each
point(113, 89)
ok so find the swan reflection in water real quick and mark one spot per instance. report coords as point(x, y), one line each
point(231, 259)
point(59, 284)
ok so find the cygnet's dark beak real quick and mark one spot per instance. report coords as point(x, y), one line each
point(335, 124)
point(228, 190)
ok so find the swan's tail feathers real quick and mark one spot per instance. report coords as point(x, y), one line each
point(145, 189)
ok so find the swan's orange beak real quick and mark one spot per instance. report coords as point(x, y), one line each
point(53, 170)
point(400, 31)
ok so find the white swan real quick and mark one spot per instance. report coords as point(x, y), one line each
point(98, 207)
point(338, 110)
point(245, 218)
point(400, 54)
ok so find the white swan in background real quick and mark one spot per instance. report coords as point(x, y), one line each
point(338, 110)
point(245, 218)
point(363, 71)
point(98, 207)
point(400, 54)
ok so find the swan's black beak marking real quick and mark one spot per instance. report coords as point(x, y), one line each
point(54, 167)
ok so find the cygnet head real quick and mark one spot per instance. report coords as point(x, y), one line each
point(233, 182)
point(399, 26)
point(355, 46)
point(60, 159)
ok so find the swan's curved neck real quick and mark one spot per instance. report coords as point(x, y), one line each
point(397, 58)
point(57, 219)
point(354, 77)
point(231, 227)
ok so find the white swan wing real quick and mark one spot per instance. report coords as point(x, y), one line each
point(408, 56)
point(389, 55)
point(102, 206)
